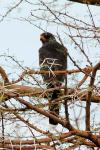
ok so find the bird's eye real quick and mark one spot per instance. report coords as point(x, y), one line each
point(45, 35)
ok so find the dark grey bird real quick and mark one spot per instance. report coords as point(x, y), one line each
point(52, 57)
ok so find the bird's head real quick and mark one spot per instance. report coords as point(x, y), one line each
point(46, 37)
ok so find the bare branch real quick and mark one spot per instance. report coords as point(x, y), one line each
point(90, 91)
point(10, 10)
point(92, 2)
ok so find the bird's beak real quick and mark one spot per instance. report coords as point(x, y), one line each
point(41, 37)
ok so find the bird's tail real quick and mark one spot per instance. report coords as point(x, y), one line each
point(54, 105)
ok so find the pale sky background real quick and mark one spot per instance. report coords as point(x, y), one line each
point(22, 39)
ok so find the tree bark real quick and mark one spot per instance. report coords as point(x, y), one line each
point(91, 2)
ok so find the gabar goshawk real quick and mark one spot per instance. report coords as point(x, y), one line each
point(52, 57)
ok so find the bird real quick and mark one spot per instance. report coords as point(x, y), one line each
point(52, 57)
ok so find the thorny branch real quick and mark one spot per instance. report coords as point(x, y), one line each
point(17, 91)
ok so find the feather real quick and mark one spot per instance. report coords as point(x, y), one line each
point(52, 56)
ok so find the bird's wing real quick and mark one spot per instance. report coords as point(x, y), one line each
point(53, 50)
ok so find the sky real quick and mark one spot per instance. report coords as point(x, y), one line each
point(21, 39)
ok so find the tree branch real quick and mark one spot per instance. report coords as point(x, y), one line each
point(90, 92)
point(4, 75)
point(92, 2)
